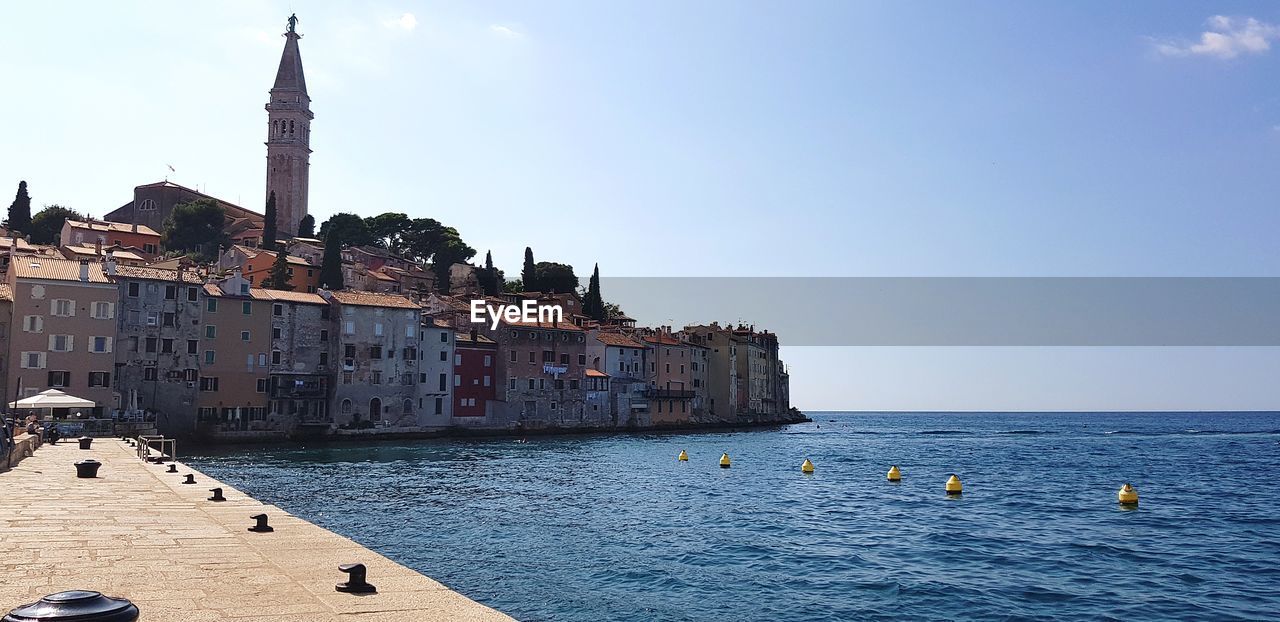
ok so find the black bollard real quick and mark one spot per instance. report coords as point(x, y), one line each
point(191, 479)
point(262, 526)
point(217, 495)
point(87, 469)
point(85, 441)
point(173, 468)
point(355, 583)
point(80, 605)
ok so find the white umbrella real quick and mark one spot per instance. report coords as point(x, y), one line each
point(52, 398)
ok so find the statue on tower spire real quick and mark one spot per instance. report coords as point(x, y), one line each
point(293, 22)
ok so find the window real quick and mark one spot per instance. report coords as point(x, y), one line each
point(324, 336)
point(547, 356)
point(409, 330)
point(324, 313)
point(153, 318)
point(564, 358)
point(246, 308)
point(170, 292)
point(439, 405)
point(33, 360)
point(208, 357)
point(190, 375)
point(488, 381)
point(531, 384)
point(166, 346)
point(348, 328)
point(244, 335)
point(406, 407)
point(511, 384)
point(275, 357)
point(60, 343)
point(211, 305)
point(559, 384)
point(375, 352)
point(169, 319)
point(324, 358)
point(375, 377)
point(513, 356)
point(208, 384)
point(103, 310)
point(276, 332)
point(100, 345)
point(346, 407)
point(488, 360)
point(191, 294)
point(682, 369)
point(151, 344)
point(457, 380)
point(133, 317)
point(582, 359)
point(573, 384)
point(444, 337)
point(277, 309)
point(444, 382)
point(444, 355)
point(349, 351)
point(410, 354)
point(210, 331)
point(149, 249)
point(99, 379)
point(262, 385)
point(457, 359)
point(553, 405)
point(59, 378)
point(262, 359)
point(149, 373)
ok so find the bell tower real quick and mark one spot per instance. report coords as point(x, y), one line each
point(289, 137)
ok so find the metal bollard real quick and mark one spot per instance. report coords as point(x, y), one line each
point(173, 468)
point(87, 469)
point(262, 526)
point(85, 441)
point(77, 605)
point(191, 479)
point(355, 583)
point(217, 495)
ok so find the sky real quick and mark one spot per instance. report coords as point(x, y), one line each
point(725, 139)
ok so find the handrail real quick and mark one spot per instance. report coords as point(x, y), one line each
point(145, 448)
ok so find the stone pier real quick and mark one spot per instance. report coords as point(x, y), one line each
point(137, 532)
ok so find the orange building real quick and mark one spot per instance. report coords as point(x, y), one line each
point(80, 233)
point(303, 276)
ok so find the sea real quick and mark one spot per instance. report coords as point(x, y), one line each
point(613, 527)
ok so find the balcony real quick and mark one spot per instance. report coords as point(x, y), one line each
point(671, 394)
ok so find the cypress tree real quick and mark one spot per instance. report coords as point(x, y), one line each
point(331, 264)
point(529, 275)
point(307, 227)
point(593, 303)
point(269, 223)
point(279, 275)
point(20, 210)
point(490, 282)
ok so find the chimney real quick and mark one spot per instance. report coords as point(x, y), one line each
point(474, 333)
point(97, 247)
point(110, 263)
point(84, 270)
point(135, 227)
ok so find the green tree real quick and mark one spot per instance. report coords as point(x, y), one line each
point(351, 230)
point(331, 263)
point(278, 278)
point(46, 226)
point(20, 210)
point(592, 303)
point(555, 277)
point(612, 311)
point(307, 227)
point(388, 230)
point(269, 223)
point(514, 286)
point(490, 277)
point(529, 273)
point(195, 228)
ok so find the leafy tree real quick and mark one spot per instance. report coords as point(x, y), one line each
point(307, 227)
point(592, 303)
point(278, 278)
point(612, 311)
point(351, 230)
point(20, 210)
point(490, 277)
point(555, 277)
point(388, 230)
point(529, 273)
point(514, 286)
point(195, 227)
point(331, 263)
point(269, 223)
point(46, 226)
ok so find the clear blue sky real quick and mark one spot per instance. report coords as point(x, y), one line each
point(724, 138)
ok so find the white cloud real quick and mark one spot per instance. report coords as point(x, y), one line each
point(404, 22)
point(505, 31)
point(1226, 37)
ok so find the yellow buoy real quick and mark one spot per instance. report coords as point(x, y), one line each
point(806, 466)
point(1128, 495)
point(953, 485)
point(894, 474)
point(683, 457)
point(724, 461)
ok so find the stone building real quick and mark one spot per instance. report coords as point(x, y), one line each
point(152, 204)
point(436, 385)
point(668, 371)
point(234, 368)
point(302, 346)
point(622, 358)
point(541, 374)
point(6, 315)
point(377, 357)
point(721, 370)
point(64, 329)
point(157, 355)
point(289, 137)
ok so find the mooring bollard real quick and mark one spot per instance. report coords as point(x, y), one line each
point(262, 526)
point(355, 583)
point(191, 479)
point(78, 605)
point(87, 469)
point(173, 468)
point(217, 495)
point(85, 441)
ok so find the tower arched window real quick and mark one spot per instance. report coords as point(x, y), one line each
point(407, 407)
point(291, 127)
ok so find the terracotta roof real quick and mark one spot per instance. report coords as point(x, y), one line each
point(92, 251)
point(381, 276)
point(212, 289)
point(283, 296)
point(618, 340)
point(291, 259)
point(664, 339)
point(168, 184)
point(370, 299)
point(565, 326)
point(55, 269)
point(22, 244)
point(158, 274)
point(596, 373)
point(6, 293)
point(111, 226)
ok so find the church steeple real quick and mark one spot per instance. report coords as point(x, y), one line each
point(289, 136)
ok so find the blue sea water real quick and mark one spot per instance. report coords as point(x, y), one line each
point(589, 528)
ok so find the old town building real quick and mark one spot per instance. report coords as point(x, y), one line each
point(377, 358)
point(302, 348)
point(436, 386)
point(475, 365)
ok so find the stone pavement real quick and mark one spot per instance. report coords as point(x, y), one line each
point(137, 532)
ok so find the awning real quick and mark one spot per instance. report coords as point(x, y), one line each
point(52, 398)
